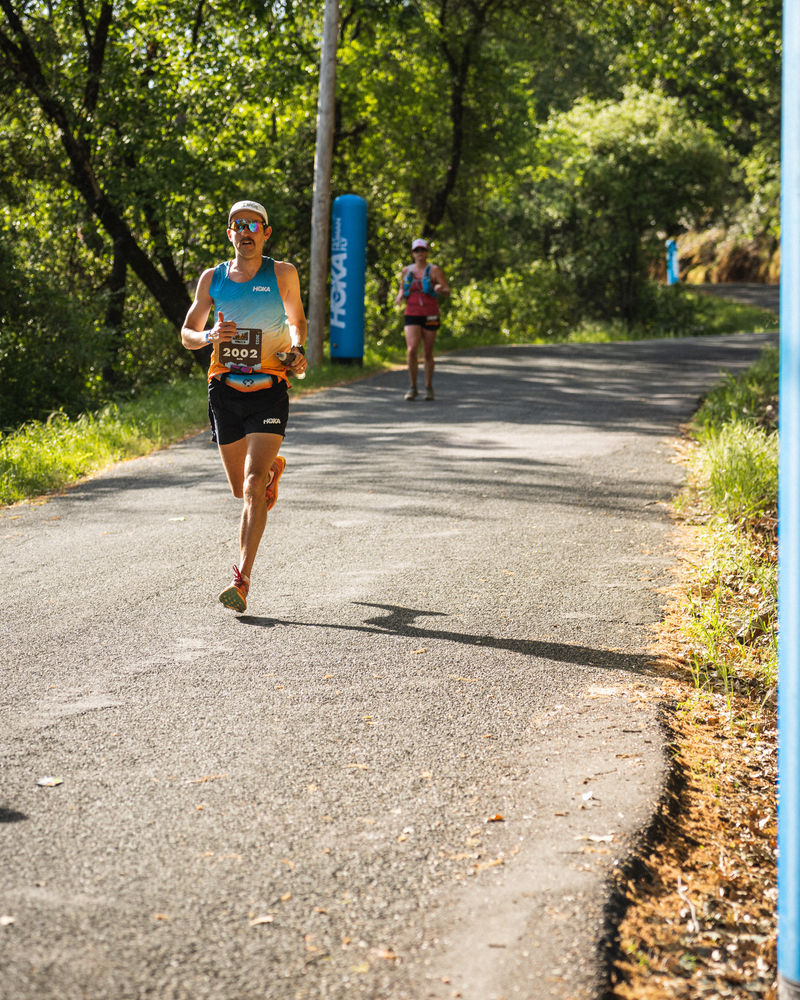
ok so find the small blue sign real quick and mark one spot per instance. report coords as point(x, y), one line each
point(672, 262)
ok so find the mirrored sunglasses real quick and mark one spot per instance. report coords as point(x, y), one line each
point(239, 225)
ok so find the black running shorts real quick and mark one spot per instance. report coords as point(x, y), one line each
point(234, 414)
point(426, 322)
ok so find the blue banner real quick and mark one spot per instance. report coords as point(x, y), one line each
point(348, 268)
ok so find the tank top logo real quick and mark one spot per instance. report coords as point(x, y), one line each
point(261, 288)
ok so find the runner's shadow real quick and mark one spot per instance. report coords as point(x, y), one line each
point(399, 621)
point(11, 816)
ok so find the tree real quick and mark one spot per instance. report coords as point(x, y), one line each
point(137, 95)
point(29, 57)
point(611, 179)
point(720, 58)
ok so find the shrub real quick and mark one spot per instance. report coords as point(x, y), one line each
point(535, 302)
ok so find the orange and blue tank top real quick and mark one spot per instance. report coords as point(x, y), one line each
point(254, 304)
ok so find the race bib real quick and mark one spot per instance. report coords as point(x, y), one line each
point(243, 353)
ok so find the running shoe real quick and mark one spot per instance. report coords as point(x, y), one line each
point(272, 489)
point(235, 596)
point(429, 393)
point(412, 393)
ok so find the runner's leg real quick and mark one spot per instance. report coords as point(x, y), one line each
point(413, 337)
point(262, 450)
point(233, 460)
point(428, 337)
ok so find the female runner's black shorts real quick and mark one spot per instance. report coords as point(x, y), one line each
point(234, 414)
point(426, 322)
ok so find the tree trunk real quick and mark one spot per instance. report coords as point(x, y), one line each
point(115, 312)
point(321, 207)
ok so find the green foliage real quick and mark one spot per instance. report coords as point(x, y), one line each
point(720, 58)
point(740, 467)
point(750, 399)
point(731, 613)
point(51, 347)
point(523, 305)
point(737, 429)
point(610, 180)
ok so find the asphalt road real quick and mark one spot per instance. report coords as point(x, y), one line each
point(408, 771)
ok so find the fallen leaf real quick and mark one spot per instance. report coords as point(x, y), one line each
point(386, 953)
point(265, 918)
point(491, 863)
point(417, 651)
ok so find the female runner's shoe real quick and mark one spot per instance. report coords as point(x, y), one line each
point(272, 487)
point(235, 596)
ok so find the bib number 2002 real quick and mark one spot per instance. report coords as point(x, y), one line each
point(243, 353)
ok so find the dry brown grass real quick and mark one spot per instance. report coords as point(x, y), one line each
point(700, 922)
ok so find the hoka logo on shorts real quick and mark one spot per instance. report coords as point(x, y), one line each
point(262, 288)
point(272, 420)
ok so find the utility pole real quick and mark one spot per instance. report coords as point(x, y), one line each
point(789, 524)
point(320, 210)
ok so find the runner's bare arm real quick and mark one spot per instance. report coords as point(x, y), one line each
point(440, 285)
point(289, 288)
point(193, 332)
point(400, 297)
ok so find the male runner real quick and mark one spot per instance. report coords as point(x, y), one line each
point(257, 312)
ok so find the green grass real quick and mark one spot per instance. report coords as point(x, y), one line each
point(730, 607)
point(716, 315)
point(45, 456)
point(42, 456)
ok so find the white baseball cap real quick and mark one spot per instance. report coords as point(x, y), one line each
point(420, 244)
point(248, 206)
